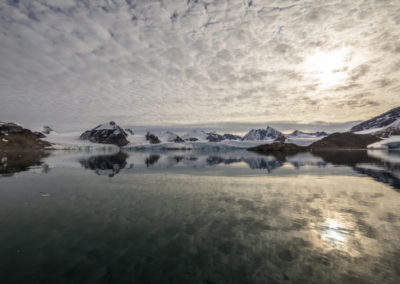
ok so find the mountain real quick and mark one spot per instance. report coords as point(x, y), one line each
point(46, 130)
point(202, 136)
point(14, 136)
point(301, 134)
point(228, 136)
point(378, 122)
point(214, 137)
point(195, 135)
point(107, 133)
point(268, 134)
point(153, 139)
point(168, 136)
point(388, 131)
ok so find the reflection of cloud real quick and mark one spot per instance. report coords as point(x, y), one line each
point(67, 60)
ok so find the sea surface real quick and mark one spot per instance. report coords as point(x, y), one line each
point(199, 217)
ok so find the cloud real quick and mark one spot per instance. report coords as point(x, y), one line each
point(171, 62)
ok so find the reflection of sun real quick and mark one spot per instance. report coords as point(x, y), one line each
point(328, 68)
point(334, 233)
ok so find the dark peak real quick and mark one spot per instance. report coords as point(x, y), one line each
point(107, 133)
point(153, 139)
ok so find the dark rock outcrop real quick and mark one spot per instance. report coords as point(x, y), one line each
point(13, 136)
point(47, 130)
point(214, 137)
point(129, 131)
point(39, 134)
point(228, 136)
point(108, 133)
point(152, 138)
point(345, 141)
point(179, 140)
point(169, 136)
point(278, 147)
point(301, 134)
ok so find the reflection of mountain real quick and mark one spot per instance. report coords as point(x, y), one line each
point(367, 163)
point(14, 162)
point(152, 159)
point(254, 161)
point(269, 163)
point(105, 164)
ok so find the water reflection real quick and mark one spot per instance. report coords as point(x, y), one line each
point(234, 217)
point(382, 166)
point(109, 165)
point(18, 161)
point(334, 233)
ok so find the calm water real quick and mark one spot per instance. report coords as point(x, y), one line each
point(196, 217)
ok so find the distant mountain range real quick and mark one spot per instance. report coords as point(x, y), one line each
point(378, 129)
point(111, 133)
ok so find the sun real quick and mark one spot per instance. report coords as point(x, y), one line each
point(327, 68)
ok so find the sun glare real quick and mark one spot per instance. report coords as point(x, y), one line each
point(327, 68)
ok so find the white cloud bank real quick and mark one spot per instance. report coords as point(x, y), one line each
point(202, 61)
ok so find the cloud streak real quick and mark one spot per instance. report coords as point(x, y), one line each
point(194, 62)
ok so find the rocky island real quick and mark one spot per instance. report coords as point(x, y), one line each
point(15, 137)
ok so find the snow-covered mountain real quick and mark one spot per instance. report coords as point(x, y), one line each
point(228, 136)
point(43, 132)
point(269, 134)
point(385, 126)
point(378, 122)
point(214, 137)
point(301, 134)
point(152, 138)
point(388, 131)
point(168, 136)
point(106, 133)
point(301, 138)
point(195, 135)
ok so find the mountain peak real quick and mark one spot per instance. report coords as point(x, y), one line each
point(106, 133)
point(379, 121)
point(269, 134)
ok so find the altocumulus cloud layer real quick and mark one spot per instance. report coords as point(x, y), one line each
point(197, 61)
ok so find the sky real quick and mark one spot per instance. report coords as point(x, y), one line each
point(176, 63)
